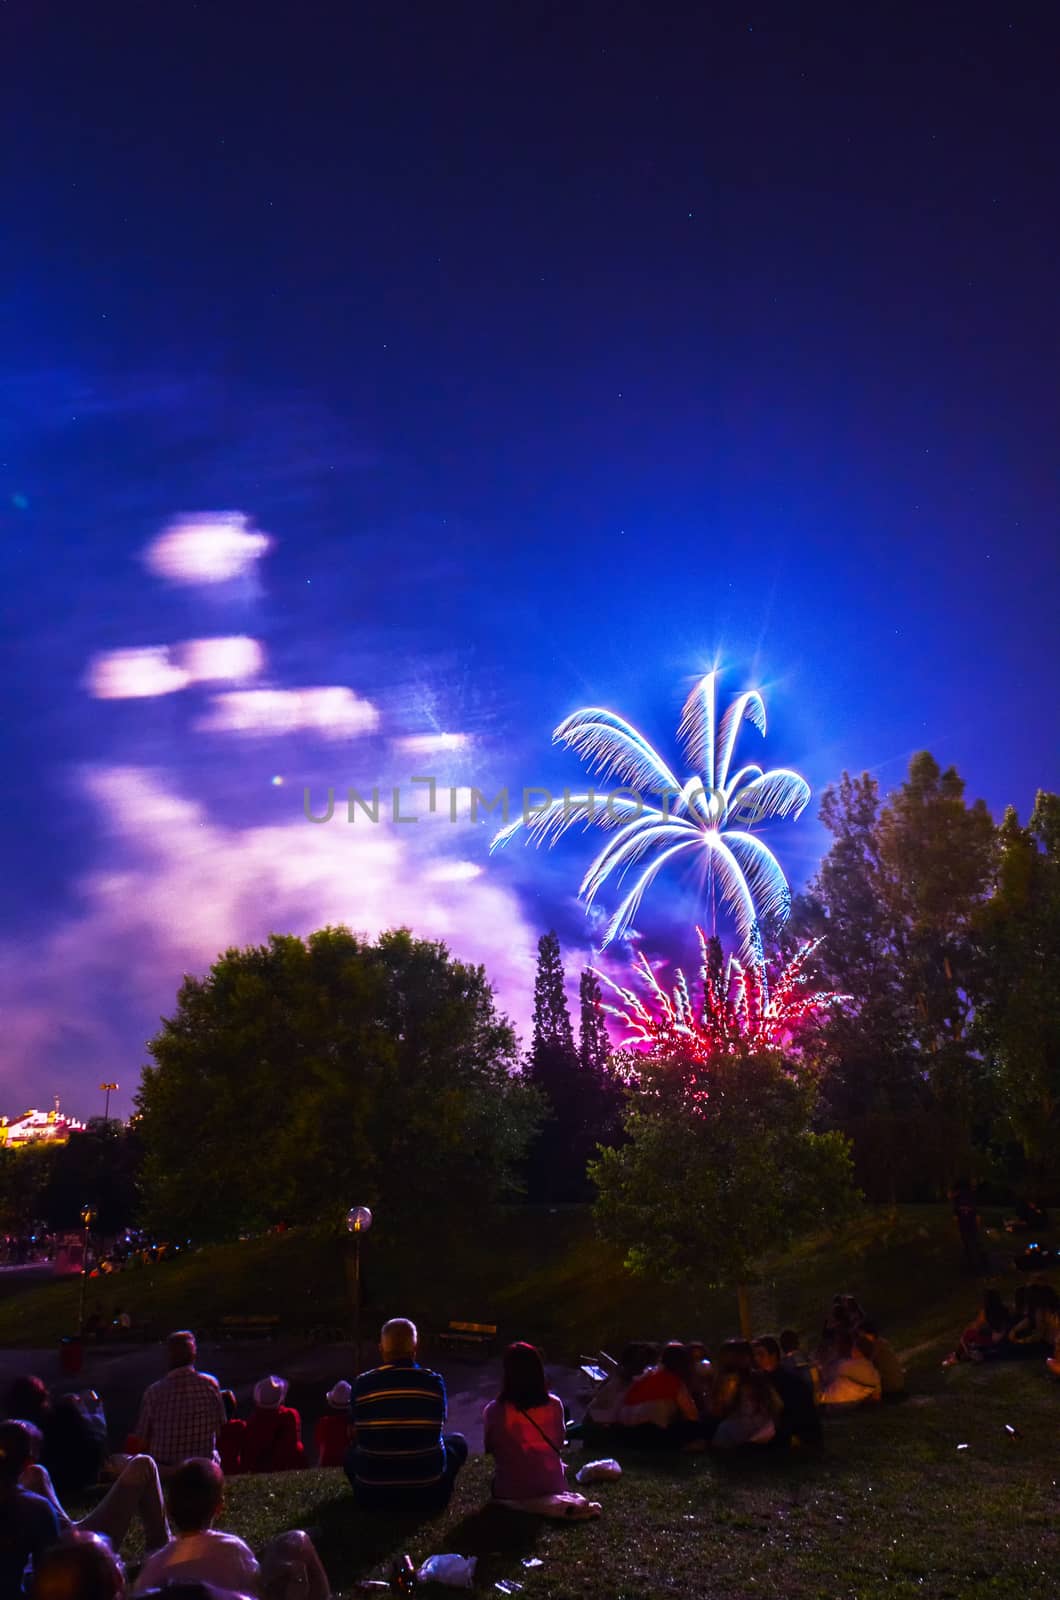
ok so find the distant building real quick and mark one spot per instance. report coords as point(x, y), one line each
point(38, 1127)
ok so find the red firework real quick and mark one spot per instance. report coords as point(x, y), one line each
point(740, 1010)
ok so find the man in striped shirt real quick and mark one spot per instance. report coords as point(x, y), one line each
point(401, 1459)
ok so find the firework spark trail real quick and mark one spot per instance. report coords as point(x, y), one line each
point(712, 813)
point(739, 1010)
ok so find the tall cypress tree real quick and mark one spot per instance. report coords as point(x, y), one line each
point(594, 1046)
point(556, 1167)
point(552, 1028)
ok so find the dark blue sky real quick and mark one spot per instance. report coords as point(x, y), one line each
point(560, 352)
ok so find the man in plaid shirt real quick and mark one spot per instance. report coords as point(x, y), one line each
point(182, 1414)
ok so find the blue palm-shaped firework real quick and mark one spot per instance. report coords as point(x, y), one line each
point(711, 813)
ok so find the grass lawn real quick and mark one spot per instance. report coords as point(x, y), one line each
point(891, 1508)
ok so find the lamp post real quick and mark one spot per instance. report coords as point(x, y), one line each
point(107, 1088)
point(358, 1221)
point(88, 1217)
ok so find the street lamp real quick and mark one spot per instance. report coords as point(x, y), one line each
point(88, 1217)
point(358, 1221)
point(107, 1089)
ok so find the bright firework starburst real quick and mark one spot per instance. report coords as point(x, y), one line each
point(738, 1010)
point(711, 813)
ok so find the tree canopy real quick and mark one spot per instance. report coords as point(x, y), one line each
point(302, 1076)
point(721, 1167)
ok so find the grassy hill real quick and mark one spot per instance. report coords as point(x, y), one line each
point(539, 1273)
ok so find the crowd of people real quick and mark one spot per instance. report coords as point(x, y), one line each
point(1029, 1328)
point(387, 1431)
point(765, 1391)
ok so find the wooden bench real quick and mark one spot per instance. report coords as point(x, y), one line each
point(469, 1338)
point(250, 1327)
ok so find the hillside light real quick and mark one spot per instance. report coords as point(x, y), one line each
point(358, 1222)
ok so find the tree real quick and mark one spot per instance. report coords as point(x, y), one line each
point(721, 1167)
point(897, 896)
point(100, 1167)
point(594, 1046)
point(1017, 1020)
point(299, 1076)
point(581, 1094)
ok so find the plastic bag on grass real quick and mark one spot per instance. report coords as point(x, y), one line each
point(599, 1471)
point(456, 1572)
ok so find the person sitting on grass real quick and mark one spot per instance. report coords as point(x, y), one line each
point(401, 1460)
point(523, 1430)
point(28, 1523)
point(985, 1337)
point(793, 1358)
point(290, 1567)
point(334, 1434)
point(73, 1429)
point(603, 1411)
point(659, 1408)
point(182, 1414)
point(743, 1404)
point(135, 1495)
point(1033, 1329)
point(273, 1440)
point(231, 1438)
point(82, 1567)
point(884, 1357)
point(701, 1375)
point(850, 1378)
point(798, 1421)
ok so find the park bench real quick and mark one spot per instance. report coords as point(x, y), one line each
point(469, 1338)
point(262, 1326)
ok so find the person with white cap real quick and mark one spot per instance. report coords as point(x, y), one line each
point(273, 1440)
point(334, 1433)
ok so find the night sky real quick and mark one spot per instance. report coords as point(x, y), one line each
point(476, 362)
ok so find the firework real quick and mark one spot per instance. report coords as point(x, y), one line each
point(710, 814)
point(739, 1009)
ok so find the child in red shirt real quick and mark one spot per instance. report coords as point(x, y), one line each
point(230, 1437)
point(334, 1433)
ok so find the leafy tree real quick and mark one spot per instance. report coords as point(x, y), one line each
point(300, 1076)
point(1018, 991)
point(100, 1167)
point(721, 1168)
point(897, 896)
point(23, 1176)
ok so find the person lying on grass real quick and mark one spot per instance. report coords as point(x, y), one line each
point(290, 1568)
point(524, 1433)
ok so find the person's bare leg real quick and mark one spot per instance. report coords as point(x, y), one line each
point(37, 1480)
point(137, 1493)
point(292, 1570)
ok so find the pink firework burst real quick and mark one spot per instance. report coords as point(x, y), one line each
point(740, 1010)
